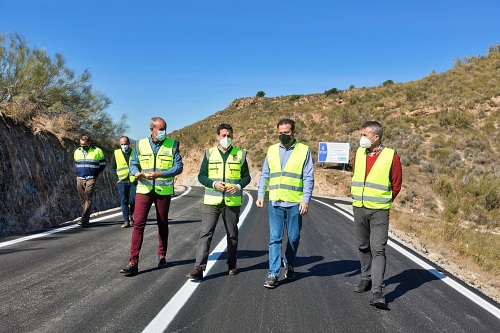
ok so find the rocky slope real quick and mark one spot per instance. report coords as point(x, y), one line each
point(37, 181)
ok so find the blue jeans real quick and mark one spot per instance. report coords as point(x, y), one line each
point(127, 197)
point(279, 217)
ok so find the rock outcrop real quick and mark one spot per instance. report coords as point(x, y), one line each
point(37, 180)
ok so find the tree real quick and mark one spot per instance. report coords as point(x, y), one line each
point(388, 83)
point(32, 80)
point(260, 94)
point(333, 91)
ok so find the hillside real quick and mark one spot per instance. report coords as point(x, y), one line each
point(445, 128)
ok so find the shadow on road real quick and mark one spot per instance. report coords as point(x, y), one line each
point(407, 280)
point(335, 267)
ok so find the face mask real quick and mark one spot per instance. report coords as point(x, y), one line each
point(161, 135)
point(285, 139)
point(225, 142)
point(364, 142)
point(125, 148)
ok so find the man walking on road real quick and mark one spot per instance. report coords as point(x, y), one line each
point(89, 162)
point(376, 181)
point(289, 170)
point(155, 163)
point(224, 173)
point(126, 182)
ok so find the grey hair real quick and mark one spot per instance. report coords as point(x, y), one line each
point(375, 127)
point(154, 120)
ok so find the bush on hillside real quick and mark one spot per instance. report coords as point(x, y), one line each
point(36, 88)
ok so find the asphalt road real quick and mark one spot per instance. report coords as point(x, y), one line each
point(67, 280)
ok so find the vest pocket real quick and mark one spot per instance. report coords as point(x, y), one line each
point(165, 162)
point(235, 170)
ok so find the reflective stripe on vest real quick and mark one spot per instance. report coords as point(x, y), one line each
point(163, 161)
point(122, 167)
point(91, 161)
point(230, 173)
point(287, 185)
point(374, 192)
point(89, 164)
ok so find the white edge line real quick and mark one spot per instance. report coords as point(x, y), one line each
point(170, 310)
point(56, 230)
point(434, 271)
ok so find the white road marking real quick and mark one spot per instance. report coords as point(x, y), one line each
point(433, 270)
point(61, 229)
point(170, 310)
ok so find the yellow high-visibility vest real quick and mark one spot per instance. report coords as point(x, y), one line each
point(122, 167)
point(288, 184)
point(374, 192)
point(89, 164)
point(164, 160)
point(230, 173)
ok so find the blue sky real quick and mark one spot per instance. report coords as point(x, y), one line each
point(186, 60)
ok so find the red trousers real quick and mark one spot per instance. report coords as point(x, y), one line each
point(143, 204)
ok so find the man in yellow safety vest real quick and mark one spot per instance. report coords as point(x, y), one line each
point(376, 181)
point(155, 163)
point(89, 162)
point(289, 170)
point(126, 182)
point(224, 173)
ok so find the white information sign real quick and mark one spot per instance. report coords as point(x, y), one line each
point(334, 152)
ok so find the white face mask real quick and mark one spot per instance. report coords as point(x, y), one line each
point(161, 135)
point(125, 148)
point(364, 142)
point(225, 142)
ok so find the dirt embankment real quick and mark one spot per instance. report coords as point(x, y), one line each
point(37, 181)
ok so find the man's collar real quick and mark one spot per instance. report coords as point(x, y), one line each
point(376, 151)
point(227, 150)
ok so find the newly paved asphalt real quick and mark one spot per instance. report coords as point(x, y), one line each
point(68, 281)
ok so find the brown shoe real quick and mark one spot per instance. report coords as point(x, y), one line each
point(196, 274)
point(232, 271)
point(126, 224)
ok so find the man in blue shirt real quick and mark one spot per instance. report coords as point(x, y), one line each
point(289, 170)
point(155, 163)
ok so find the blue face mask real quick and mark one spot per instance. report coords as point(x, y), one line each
point(161, 135)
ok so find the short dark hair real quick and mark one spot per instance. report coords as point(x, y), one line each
point(288, 121)
point(375, 127)
point(126, 137)
point(224, 126)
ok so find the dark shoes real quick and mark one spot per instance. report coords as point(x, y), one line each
point(378, 300)
point(196, 274)
point(162, 262)
point(289, 272)
point(363, 286)
point(131, 269)
point(271, 282)
point(125, 224)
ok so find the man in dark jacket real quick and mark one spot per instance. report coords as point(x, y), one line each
point(89, 162)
